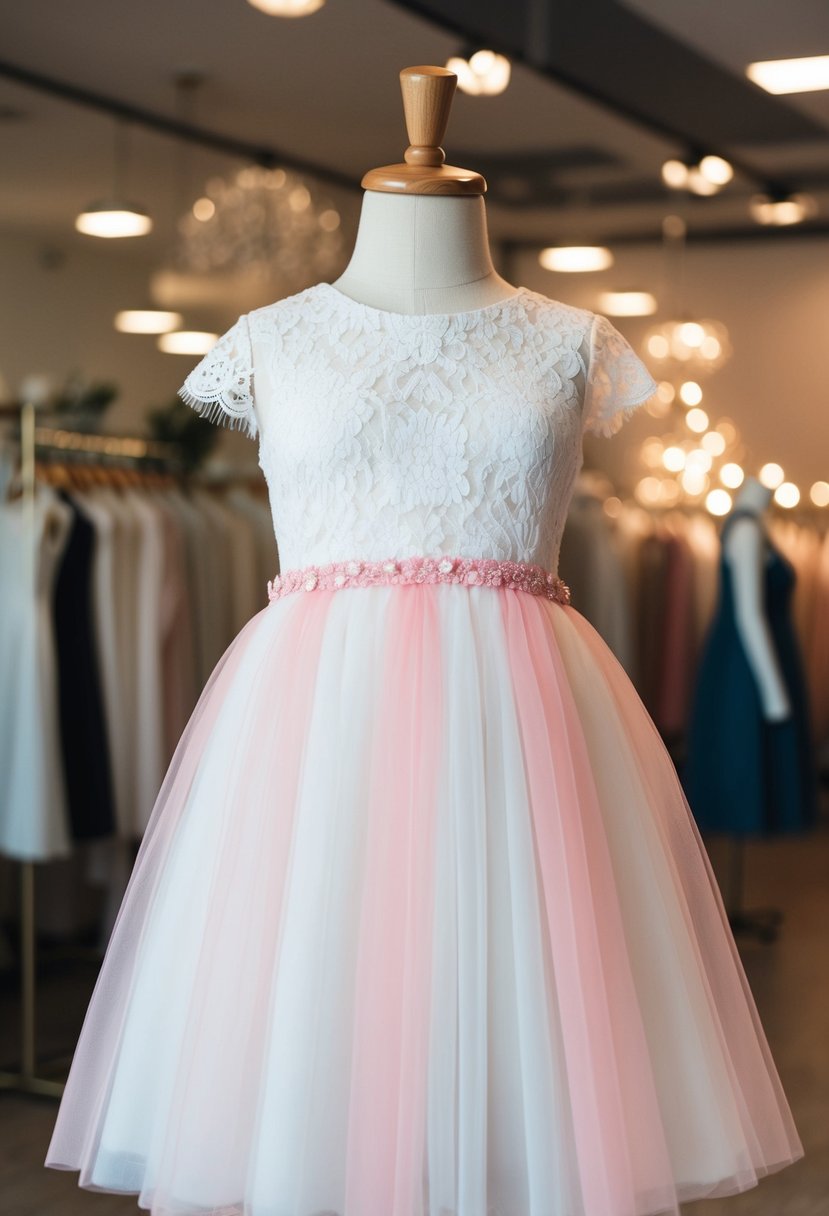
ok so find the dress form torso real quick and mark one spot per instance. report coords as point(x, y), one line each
point(420, 254)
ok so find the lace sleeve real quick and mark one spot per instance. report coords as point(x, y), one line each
point(617, 380)
point(220, 388)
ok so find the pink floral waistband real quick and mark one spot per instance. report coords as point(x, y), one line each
point(471, 571)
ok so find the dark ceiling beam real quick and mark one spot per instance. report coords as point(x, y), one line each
point(612, 57)
point(176, 128)
point(694, 236)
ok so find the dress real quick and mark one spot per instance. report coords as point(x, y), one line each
point(421, 922)
point(34, 817)
point(743, 774)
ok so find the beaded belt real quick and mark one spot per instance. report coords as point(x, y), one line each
point(471, 571)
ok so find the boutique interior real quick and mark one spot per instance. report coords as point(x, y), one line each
point(167, 168)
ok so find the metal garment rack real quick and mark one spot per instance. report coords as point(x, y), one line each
point(26, 1078)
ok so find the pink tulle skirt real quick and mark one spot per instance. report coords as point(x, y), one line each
point(421, 925)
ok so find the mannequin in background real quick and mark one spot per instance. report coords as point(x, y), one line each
point(743, 546)
point(749, 770)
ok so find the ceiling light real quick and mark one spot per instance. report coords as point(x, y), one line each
point(627, 303)
point(287, 8)
point(146, 321)
point(771, 475)
point(706, 177)
point(781, 209)
point(787, 494)
point(716, 169)
point(699, 184)
point(113, 217)
point(113, 220)
point(483, 72)
point(570, 259)
point(187, 342)
point(675, 174)
point(808, 74)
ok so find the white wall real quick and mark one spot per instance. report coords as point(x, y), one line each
point(56, 316)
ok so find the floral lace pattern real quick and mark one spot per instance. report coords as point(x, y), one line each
point(413, 434)
point(616, 384)
point(470, 571)
point(220, 387)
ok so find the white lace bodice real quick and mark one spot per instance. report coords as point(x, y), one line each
point(385, 434)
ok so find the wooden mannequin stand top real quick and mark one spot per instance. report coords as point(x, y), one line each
point(427, 100)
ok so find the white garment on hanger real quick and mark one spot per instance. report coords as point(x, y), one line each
point(33, 811)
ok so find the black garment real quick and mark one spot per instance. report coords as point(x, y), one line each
point(85, 746)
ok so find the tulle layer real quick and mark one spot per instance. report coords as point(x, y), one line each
point(421, 925)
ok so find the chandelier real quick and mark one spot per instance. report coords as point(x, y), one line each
point(272, 221)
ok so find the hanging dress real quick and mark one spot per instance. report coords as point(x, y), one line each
point(421, 924)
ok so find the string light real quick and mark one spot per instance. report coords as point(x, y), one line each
point(819, 493)
point(771, 475)
point(732, 475)
point(718, 502)
point(787, 494)
point(690, 393)
point(696, 420)
point(713, 442)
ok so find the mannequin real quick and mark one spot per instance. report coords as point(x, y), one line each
point(744, 551)
point(749, 769)
point(422, 243)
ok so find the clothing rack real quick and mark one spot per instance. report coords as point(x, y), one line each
point(80, 446)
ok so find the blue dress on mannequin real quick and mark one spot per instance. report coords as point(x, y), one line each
point(743, 774)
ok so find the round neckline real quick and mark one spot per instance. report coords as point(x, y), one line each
point(519, 293)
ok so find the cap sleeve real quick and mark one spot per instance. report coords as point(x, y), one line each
point(617, 380)
point(220, 388)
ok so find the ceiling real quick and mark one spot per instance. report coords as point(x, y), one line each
point(572, 148)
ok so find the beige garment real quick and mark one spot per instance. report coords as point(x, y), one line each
point(590, 563)
point(149, 735)
point(179, 691)
point(259, 513)
point(246, 597)
point(197, 538)
point(125, 625)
